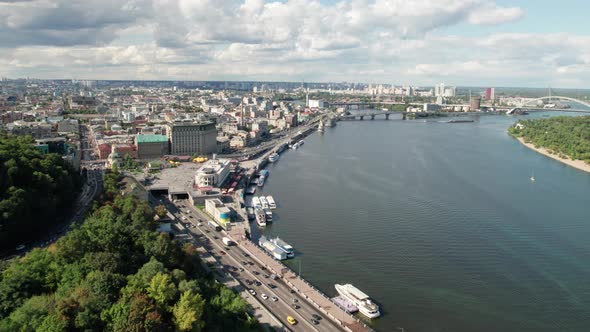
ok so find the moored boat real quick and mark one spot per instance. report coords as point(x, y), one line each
point(359, 299)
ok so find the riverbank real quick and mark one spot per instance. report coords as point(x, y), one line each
point(579, 164)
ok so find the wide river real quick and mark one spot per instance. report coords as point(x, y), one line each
point(440, 224)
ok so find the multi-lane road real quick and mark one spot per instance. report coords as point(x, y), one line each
point(281, 300)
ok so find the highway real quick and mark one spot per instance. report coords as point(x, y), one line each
point(247, 271)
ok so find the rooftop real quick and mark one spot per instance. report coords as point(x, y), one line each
point(151, 138)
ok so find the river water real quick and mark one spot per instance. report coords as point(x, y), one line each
point(440, 224)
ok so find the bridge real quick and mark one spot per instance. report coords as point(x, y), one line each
point(382, 114)
point(534, 104)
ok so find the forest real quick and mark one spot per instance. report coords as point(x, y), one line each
point(36, 189)
point(115, 272)
point(566, 136)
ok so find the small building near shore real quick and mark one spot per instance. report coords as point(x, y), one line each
point(218, 210)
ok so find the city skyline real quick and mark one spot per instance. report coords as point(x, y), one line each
point(463, 43)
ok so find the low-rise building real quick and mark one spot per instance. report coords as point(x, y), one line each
point(213, 173)
point(218, 210)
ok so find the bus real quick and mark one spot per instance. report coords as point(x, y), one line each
point(214, 225)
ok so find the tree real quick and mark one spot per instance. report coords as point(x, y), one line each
point(162, 289)
point(161, 210)
point(187, 312)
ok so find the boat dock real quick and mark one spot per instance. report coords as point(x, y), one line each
point(345, 304)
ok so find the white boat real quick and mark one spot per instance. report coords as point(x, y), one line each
point(273, 157)
point(359, 299)
point(295, 146)
point(263, 202)
point(268, 214)
point(272, 249)
point(260, 216)
point(533, 177)
point(271, 202)
point(287, 248)
point(300, 142)
point(256, 202)
point(261, 180)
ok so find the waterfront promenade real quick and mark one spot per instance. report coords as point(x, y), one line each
point(306, 290)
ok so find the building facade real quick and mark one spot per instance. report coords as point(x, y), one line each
point(218, 210)
point(151, 146)
point(213, 173)
point(191, 138)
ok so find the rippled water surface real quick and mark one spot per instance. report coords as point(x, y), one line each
point(440, 224)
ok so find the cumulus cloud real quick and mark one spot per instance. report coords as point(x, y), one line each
point(368, 40)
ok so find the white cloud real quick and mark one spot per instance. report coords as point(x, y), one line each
point(360, 40)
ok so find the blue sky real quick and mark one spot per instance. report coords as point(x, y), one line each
point(418, 42)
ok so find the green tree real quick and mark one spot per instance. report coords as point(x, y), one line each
point(162, 289)
point(187, 312)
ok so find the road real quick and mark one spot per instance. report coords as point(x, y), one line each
point(246, 270)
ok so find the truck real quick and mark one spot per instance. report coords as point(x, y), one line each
point(214, 225)
point(226, 240)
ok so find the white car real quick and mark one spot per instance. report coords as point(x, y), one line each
point(253, 292)
point(264, 296)
point(275, 299)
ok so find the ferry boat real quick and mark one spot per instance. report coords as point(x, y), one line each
point(295, 146)
point(359, 299)
point(272, 249)
point(268, 214)
point(256, 202)
point(263, 202)
point(287, 248)
point(271, 202)
point(273, 157)
point(260, 216)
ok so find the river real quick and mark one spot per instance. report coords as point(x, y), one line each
point(440, 224)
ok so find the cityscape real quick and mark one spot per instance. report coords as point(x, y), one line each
point(199, 166)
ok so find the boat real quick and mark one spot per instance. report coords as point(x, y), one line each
point(268, 214)
point(533, 177)
point(300, 142)
point(282, 147)
point(272, 249)
point(359, 299)
point(295, 146)
point(271, 202)
point(460, 121)
point(331, 122)
point(256, 202)
point(260, 216)
point(263, 202)
point(321, 126)
point(273, 157)
point(260, 181)
point(287, 248)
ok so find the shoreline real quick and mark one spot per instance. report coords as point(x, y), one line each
point(578, 164)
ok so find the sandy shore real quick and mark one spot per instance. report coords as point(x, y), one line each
point(579, 164)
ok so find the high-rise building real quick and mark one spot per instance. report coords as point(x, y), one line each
point(439, 90)
point(475, 103)
point(191, 138)
point(490, 94)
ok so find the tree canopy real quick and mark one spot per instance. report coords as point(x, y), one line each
point(114, 272)
point(36, 189)
point(566, 136)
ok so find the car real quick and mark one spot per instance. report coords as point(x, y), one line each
point(200, 224)
point(246, 255)
point(295, 306)
point(253, 292)
point(206, 231)
point(215, 237)
point(291, 320)
point(266, 276)
point(257, 283)
point(262, 268)
point(241, 269)
point(222, 252)
point(271, 286)
point(293, 291)
point(249, 282)
point(244, 263)
point(264, 296)
point(255, 272)
point(275, 299)
point(274, 277)
point(294, 300)
point(226, 248)
point(316, 317)
point(314, 321)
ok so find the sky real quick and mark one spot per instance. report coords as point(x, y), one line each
point(532, 43)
